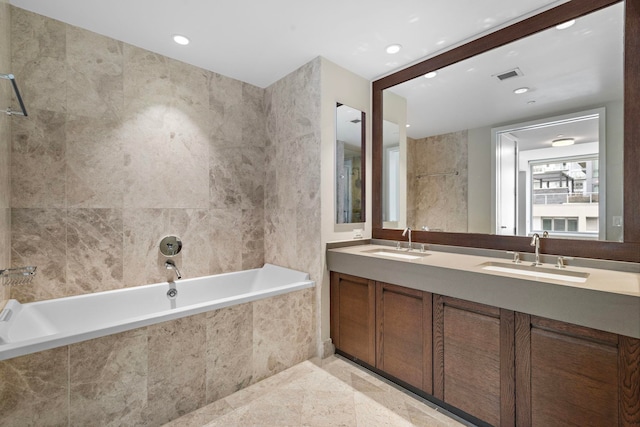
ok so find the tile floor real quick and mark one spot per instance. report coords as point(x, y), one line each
point(329, 392)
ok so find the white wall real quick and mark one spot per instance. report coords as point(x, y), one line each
point(479, 190)
point(615, 168)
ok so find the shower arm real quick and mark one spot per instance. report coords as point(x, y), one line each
point(9, 111)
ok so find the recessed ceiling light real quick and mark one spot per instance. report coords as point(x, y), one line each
point(563, 142)
point(521, 90)
point(565, 25)
point(393, 48)
point(180, 39)
point(408, 125)
point(431, 75)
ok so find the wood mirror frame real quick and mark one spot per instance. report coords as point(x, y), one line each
point(629, 250)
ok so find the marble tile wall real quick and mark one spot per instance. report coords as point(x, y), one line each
point(152, 375)
point(124, 146)
point(292, 232)
point(292, 188)
point(5, 145)
point(439, 199)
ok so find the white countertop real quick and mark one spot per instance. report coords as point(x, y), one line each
point(608, 300)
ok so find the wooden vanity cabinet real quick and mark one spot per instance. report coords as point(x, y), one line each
point(353, 309)
point(473, 354)
point(403, 334)
point(499, 366)
point(573, 375)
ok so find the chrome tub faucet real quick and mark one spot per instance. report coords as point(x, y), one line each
point(170, 265)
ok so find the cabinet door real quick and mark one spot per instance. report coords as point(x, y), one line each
point(403, 334)
point(353, 316)
point(573, 375)
point(474, 359)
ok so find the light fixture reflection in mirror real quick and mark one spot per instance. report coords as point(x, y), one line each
point(350, 188)
point(449, 155)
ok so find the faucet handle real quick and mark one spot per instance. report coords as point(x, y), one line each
point(561, 260)
point(516, 256)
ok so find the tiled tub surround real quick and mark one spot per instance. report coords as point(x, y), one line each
point(43, 325)
point(122, 147)
point(609, 300)
point(151, 375)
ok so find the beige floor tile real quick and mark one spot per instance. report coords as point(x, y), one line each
point(328, 408)
point(256, 391)
point(370, 413)
point(283, 408)
point(317, 393)
point(318, 380)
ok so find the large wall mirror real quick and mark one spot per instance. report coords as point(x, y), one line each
point(520, 131)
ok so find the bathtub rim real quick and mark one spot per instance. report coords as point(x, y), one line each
point(21, 348)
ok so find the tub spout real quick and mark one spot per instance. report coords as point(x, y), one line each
point(170, 265)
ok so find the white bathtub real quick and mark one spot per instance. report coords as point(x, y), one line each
point(28, 328)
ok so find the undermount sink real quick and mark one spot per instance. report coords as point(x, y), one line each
point(536, 271)
point(397, 254)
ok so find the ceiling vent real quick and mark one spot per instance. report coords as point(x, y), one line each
point(516, 72)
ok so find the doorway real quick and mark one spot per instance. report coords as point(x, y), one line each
point(547, 176)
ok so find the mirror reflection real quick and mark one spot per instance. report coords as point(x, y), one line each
point(552, 187)
point(350, 137)
point(471, 125)
point(392, 175)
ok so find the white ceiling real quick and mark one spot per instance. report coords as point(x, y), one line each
point(582, 131)
point(259, 42)
point(566, 70)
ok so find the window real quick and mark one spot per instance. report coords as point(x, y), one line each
point(560, 224)
point(391, 193)
point(564, 195)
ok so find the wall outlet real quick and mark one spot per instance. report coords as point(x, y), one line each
point(358, 233)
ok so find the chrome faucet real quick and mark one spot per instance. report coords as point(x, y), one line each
point(535, 241)
point(404, 233)
point(170, 265)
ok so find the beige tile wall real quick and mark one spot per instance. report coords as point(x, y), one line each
point(292, 189)
point(152, 375)
point(123, 147)
point(5, 145)
point(438, 200)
